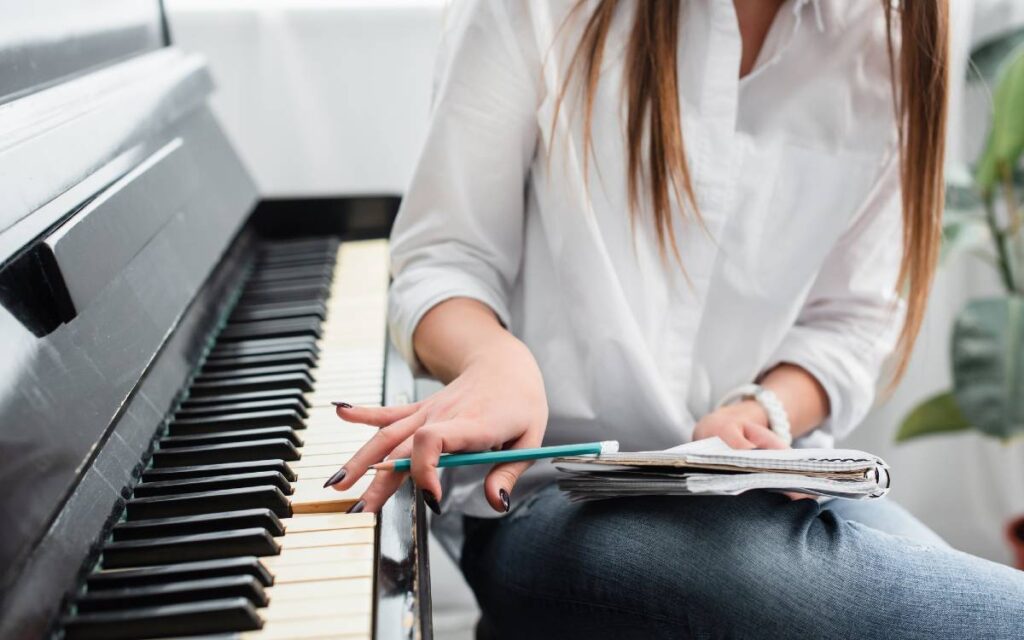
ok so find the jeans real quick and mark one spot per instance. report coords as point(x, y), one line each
point(753, 566)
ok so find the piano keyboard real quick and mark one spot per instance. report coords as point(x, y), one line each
point(230, 531)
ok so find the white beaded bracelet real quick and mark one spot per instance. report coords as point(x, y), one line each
point(778, 420)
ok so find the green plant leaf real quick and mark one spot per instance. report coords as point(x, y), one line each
point(963, 232)
point(986, 58)
point(988, 365)
point(1006, 137)
point(938, 414)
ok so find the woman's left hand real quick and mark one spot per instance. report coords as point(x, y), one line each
point(743, 425)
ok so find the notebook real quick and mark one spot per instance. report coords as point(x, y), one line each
point(711, 467)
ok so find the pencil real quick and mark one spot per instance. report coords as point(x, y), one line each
point(506, 455)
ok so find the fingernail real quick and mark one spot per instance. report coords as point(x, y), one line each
point(343, 405)
point(338, 476)
point(505, 500)
point(431, 502)
point(357, 507)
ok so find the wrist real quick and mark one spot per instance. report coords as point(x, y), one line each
point(750, 410)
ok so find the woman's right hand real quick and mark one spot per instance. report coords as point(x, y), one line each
point(496, 402)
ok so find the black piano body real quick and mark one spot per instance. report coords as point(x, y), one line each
point(127, 226)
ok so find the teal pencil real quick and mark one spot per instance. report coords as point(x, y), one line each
point(507, 455)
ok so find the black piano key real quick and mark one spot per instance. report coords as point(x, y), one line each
point(245, 384)
point(203, 523)
point(268, 370)
point(163, 574)
point(309, 260)
point(212, 483)
point(241, 364)
point(216, 399)
point(324, 254)
point(312, 281)
point(230, 435)
point(290, 273)
point(282, 294)
point(189, 548)
point(261, 347)
point(174, 593)
point(236, 421)
point(228, 452)
point(192, 618)
point(278, 312)
point(297, 245)
point(206, 470)
point(228, 408)
point(304, 326)
point(190, 504)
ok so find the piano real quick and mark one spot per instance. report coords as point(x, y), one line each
point(171, 348)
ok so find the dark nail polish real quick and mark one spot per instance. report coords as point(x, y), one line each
point(431, 502)
point(357, 507)
point(505, 500)
point(343, 405)
point(338, 476)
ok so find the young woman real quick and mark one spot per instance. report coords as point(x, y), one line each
point(625, 214)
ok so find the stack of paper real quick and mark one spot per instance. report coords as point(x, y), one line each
point(711, 467)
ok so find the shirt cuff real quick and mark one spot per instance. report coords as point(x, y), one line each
point(415, 292)
point(850, 388)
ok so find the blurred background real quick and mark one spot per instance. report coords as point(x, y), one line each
point(329, 98)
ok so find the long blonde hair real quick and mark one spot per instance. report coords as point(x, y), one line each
point(658, 170)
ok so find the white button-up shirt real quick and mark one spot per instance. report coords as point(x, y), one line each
point(795, 177)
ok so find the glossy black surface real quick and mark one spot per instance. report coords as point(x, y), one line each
point(46, 40)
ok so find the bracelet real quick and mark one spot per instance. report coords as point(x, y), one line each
point(778, 420)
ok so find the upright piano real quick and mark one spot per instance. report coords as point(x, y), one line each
point(171, 347)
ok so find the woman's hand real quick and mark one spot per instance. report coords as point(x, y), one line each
point(743, 425)
point(496, 402)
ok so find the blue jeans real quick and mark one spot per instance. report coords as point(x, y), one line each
point(752, 566)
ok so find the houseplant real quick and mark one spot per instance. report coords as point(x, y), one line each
point(984, 215)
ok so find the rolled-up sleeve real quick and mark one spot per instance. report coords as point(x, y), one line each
point(459, 232)
point(853, 314)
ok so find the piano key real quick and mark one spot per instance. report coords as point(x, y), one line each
point(216, 400)
point(248, 384)
point(189, 548)
point(279, 448)
point(347, 627)
point(262, 347)
point(291, 273)
point(287, 327)
point(309, 293)
point(321, 606)
point(301, 523)
point(312, 539)
point(275, 369)
point(232, 435)
point(360, 556)
point(268, 497)
point(203, 523)
point(306, 357)
point(242, 420)
point(206, 470)
point(164, 574)
point(305, 283)
point(312, 497)
point(239, 586)
point(213, 483)
point(252, 406)
point(341, 588)
point(213, 616)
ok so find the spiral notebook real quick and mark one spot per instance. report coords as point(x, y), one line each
point(711, 467)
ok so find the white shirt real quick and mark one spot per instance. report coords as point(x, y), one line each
point(795, 177)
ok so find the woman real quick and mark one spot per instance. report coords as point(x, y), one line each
point(627, 212)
